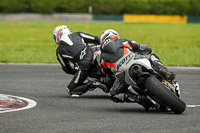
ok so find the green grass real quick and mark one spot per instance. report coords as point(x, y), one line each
point(32, 42)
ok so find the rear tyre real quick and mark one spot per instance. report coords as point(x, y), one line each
point(166, 96)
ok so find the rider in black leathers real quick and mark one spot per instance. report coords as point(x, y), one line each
point(112, 49)
point(74, 48)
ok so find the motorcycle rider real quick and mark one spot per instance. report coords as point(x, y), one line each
point(73, 48)
point(112, 49)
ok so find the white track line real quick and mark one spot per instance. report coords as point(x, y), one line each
point(189, 68)
point(193, 106)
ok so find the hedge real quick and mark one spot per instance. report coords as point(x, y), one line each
point(170, 7)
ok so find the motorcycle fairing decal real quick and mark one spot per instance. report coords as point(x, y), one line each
point(123, 61)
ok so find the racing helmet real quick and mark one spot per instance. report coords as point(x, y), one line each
point(59, 31)
point(109, 34)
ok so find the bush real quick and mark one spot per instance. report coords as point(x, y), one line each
point(42, 6)
point(178, 7)
point(72, 6)
point(194, 9)
point(14, 6)
point(108, 6)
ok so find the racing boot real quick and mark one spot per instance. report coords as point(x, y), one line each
point(166, 74)
point(131, 98)
point(73, 94)
point(119, 98)
point(102, 86)
point(79, 90)
point(140, 99)
point(160, 68)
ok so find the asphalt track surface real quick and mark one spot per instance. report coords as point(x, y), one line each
point(57, 112)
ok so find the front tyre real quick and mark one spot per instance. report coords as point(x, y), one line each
point(166, 96)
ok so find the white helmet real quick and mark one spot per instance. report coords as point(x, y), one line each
point(59, 31)
point(109, 34)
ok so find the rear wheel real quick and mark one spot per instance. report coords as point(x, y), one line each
point(166, 96)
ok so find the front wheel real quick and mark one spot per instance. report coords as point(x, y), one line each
point(167, 97)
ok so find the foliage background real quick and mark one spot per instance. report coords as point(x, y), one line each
point(179, 7)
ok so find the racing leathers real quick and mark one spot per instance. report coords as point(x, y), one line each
point(74, 49)
point(111, 52)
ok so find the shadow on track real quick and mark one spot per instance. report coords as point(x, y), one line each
point(105, 105)
point(134, 110)
point(103, 97)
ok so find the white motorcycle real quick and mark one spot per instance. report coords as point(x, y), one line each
point(144, 80)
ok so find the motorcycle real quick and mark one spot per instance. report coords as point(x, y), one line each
point(144, 80)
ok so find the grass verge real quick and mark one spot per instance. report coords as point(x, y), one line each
point(32, 42)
